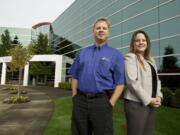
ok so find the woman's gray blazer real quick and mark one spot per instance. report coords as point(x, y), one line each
point(139, 81)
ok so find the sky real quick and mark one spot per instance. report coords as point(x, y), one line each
point(26, 13)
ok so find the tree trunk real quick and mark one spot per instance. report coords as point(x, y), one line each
point(34, 81)
point(37, 79)
point(20, 75)
point(45, 79)
point(12, 74)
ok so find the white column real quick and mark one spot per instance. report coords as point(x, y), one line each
point(26, 75)
point(58, 71)
point(3, 74)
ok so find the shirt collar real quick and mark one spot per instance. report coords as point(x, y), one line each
point(101, 46)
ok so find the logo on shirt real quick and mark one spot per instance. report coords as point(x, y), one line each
point(105, 59)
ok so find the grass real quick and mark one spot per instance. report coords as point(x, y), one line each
point(167, 119)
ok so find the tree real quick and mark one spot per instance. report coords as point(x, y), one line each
point(20, 57)
point(41, 69)
point(169, 63)
point(41, 46)
point(16, 41)
point(6, 43)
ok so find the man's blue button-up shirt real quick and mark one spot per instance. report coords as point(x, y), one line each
point(98, 69)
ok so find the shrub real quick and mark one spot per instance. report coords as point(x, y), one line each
point(11, 88)
point(49, 83)
point(177, 95)
point(23, 92)
point(167, 96)
point(16, 99)
point(65, 85)
point(16, 91)
point(13, 92)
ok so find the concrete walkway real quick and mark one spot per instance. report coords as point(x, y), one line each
point(28, 118)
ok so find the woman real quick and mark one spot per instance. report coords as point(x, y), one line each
point(142, 94)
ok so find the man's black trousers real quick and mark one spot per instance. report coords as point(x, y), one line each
point(91, 114)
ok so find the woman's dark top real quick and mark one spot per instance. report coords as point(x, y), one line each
point(154, 81)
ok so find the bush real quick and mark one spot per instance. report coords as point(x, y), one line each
point(65, 85)
point(23, 92)
point(167, 96)
point(16, 99)
point(11, 88)
point(177, 95)
point(172, 82)
point(16, 91)
point(51, 84)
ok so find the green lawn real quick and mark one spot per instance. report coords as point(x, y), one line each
point(167, 119)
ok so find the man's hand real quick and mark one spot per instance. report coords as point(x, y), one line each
point(74, 87)
point(116, 94)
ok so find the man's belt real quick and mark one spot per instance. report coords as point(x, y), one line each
point(95, 95)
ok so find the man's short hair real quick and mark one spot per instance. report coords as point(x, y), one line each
point(104, 19)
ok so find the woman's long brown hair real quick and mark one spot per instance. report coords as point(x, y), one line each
point(147, 53)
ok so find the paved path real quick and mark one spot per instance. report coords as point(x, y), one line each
point(28, 118)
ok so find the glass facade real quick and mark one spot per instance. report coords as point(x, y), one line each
point(44, 28)
point(72, 30)
point(23, 34)
point(159, 18)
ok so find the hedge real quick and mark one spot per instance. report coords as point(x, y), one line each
point(167, 96)
point(65, 85)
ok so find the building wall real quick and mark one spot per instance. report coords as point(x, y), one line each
point(159, 18)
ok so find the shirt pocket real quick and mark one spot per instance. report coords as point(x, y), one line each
point(104, 68)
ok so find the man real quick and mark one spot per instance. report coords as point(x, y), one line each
point(97, 71)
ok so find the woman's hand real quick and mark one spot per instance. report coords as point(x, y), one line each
point(155, 102)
